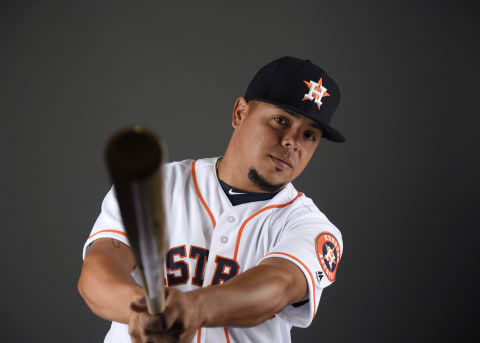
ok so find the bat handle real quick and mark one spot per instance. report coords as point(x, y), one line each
point(155, 303)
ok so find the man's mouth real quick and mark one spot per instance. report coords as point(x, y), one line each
point(281, 163)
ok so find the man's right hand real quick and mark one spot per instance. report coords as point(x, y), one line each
point(178, 323)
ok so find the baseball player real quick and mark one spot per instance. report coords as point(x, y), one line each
point(248, 255)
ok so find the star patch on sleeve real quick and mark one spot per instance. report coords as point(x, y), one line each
point(328, 254)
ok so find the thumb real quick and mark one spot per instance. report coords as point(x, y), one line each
point(139, 305)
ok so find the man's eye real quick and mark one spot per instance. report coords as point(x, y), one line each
point(280, 120)
point(309, 135)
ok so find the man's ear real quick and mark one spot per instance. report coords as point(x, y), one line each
point(240, 111)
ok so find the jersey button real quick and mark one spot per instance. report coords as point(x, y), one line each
point(231, 219)
point(224, 239)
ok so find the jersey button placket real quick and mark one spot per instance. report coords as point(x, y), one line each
point(230, 220)
point(223, 237)
point(223, 232)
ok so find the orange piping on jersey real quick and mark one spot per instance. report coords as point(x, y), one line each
point(199, 335)
point(194, 176)
point(226, 335)
point(304, 266)
point(114, 231)
point(255, 214)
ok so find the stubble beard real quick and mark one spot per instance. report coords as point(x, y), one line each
point(263, 184)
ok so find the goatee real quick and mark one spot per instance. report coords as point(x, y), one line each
point(263, 184)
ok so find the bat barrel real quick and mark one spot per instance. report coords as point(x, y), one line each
point(134, 157)
point(133, 154)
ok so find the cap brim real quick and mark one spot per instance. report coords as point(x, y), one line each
point(331, 134)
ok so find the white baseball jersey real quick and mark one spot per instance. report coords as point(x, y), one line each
point(210, 241)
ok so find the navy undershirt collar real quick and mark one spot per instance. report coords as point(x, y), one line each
point(238, 196)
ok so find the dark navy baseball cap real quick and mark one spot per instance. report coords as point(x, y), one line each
point(300, 86)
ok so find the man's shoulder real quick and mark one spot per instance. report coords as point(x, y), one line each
point(183, 169)
point(303, 203)
point(187, 163)
point(178, 164)
point(304, 209)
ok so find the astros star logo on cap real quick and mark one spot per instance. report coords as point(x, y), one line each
point(316, 92)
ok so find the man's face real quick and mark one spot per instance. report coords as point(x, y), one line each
point(274, 144)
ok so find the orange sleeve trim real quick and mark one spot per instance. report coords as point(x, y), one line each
point(194, 176)
point(226, 335)
point(239, 236)
point(309, 273)
point(113, 231)
point(199, 335)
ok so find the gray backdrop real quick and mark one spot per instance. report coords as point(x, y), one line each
point(403, 188)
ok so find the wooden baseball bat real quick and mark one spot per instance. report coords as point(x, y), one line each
point(134, 159)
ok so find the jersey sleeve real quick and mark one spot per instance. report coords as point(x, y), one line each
point(108, 224)
point(315, 245)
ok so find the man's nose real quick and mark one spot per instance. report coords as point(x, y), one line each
point(291, 140)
